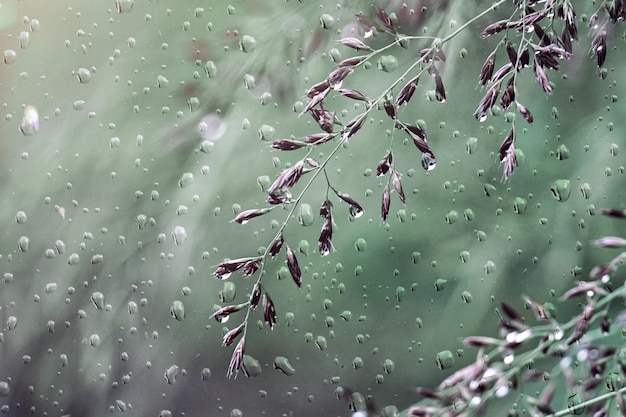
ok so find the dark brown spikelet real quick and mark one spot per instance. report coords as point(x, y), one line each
point(390, 109)
point(406, 92)
point(501, 72)
point(598, 47)
point(315, 100)
point(506, 154)
point(440, 91)
point(294, 268)
point(324, 119)
point(354, 126)
point(319, 138)
point(288, 178)
point(508, 95)
point(339, 74)
point(255, 296)
point(276, 246)
point(324, 242)
point(511, 312)
point(246, 215)
point(511, 52)
point(487, 102)
point(353, 94)
point(494, 28)
point(355, 44)
point(526, 114)
point(355, 208)
point(384, 165)
point(384, 205)
point(236, 358)
point(226, 268)
point(385, 19)
point(288, 144)
point(398, 186)
point(226, 311)
point(250, 267)
point(269, 312)
point(487, 69)
point(317, 89)
point(351, 62)
point(231, 335)
point(542, 78)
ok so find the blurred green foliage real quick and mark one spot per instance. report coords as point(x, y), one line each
point(149, 143)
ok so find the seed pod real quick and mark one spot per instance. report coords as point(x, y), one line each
point(294, 268)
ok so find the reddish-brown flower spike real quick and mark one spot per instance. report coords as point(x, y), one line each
point(511, 312)
point(294, 268)
point(246, 215)
point(398, 186)
point(351, 62)
point(385, 19)
point(542, 78)
point(487, 102)
point(487, 70)
point(226, 268)
point(440, 91)
point(354, 126)
point(508, 96)
point(269, 312)
point(251, 267)
point(384, 205)
point(384, 165)
point(236, 358)
point(355, 208)
point(353, 94)
point(319, 138)
point(618, 213)
point(317, 89)
point(511, 53)
point(501, 72)
point(506, 154)
point(354, 43)
point(598, 47)
point(231, 335)
point(324, 242)
point(390, 109)
point(494, 28)
point(288, 144)
point(288, 178)
point(317, 99)
point(222, 314)
point(339, 74)
point(526, 114)
point(406, 92)
point(255, 296)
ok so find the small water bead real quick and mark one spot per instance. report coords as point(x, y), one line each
point(282, 364)
point(519, 205)
point(94, 340)
point(171, 373)
point(467, 297)
point(452, 217)
point(444, 359)
point(247, 44)
point(490, 267)
point(84, 75)
point(250, 366)
point(9, 56)
point(23, 243)
point(471, 145)
point(465, 256)
point(561, 189)
point(186, 180)
point(179, 235)
point(562, 152)
point(305, 214)
point(124, 6)
point(177, 310)
point(97, 299)
point(73, 259)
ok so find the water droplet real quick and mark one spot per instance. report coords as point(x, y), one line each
point(210, 69)
point(11, 323)
point(468, 214)
point(585, 190)
point(24, 39)
point(282, 364)
point(124, 6)
point(452, 216)
point(84, 75)
point(227, 294)
point(519, 205)
point(562, 152)
point(490, 267)
point(73, 259)
point(429, 162)
point(321, 342)
point(247, 43)
point(444, 359)
point(132, 307)
point(9, 56)
point(388, 366)
point(250, 366)
point(5, 390)
point(357, 362)
point(171, 373)
point(180, 235)
point(186, 180)
point(305, 214)
point(23, 243)
point(440, 284)
point(561, 190)
point(471, 144)
point(162, 82)
point(94, 340)
point(327, 21)
point(360, 245)
point(97, 299)
point(21, 217)
point(489, 190)
point(467, 297)
point(465, 256)
point(387, 63)
point(177, 310)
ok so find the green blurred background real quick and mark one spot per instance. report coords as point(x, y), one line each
point(148, 143)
